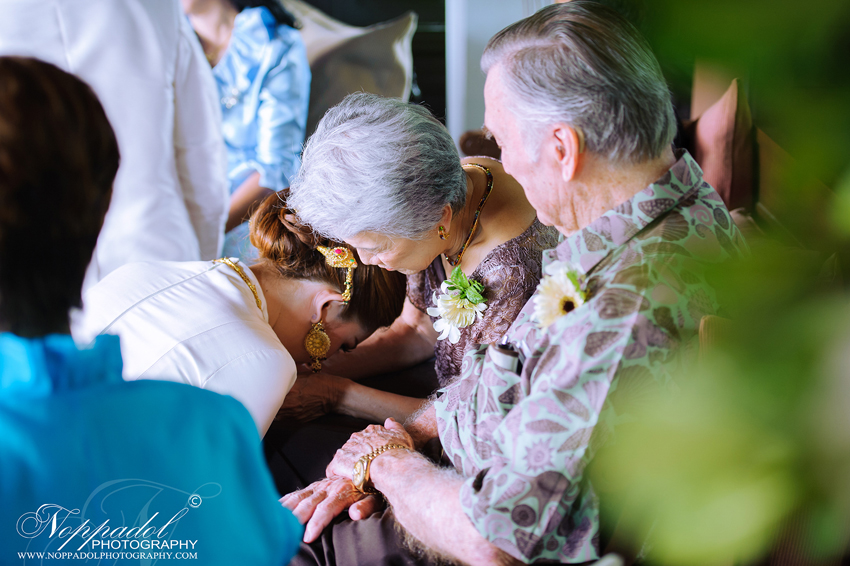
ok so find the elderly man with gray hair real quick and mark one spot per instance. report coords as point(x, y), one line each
point(578, 104)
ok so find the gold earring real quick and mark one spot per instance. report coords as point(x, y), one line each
point(443, 234)
point(317, 344)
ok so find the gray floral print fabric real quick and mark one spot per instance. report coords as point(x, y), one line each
point(523, 439)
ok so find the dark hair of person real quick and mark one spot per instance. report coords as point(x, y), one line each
point(281, 16)
point(377, 294)
point(58, 159)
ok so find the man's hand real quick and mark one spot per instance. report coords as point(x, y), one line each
point(364, 442)
point(317, 504)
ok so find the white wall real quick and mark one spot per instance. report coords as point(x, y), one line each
point(469, 25)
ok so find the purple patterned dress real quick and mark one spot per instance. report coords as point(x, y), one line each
point(509, 273)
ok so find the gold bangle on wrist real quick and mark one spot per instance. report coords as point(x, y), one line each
point(360, 476)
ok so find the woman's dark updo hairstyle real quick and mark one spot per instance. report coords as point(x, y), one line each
point(274, 6)
point(377, 295)
point(58, 158)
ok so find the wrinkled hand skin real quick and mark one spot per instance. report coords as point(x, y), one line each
point(319, 503)
point(311, 397)
point(364, 442)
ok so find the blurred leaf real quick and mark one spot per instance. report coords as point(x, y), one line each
point(720, 466)
point(841, 209)
point(794, 56)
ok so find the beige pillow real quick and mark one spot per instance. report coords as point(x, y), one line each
point(345, 59)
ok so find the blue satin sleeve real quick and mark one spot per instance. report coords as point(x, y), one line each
point(282, 118)
point(264, 84)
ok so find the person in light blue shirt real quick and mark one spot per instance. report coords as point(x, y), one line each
point(263, 77)
point(94, 469)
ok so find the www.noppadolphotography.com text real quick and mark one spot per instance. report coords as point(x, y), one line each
point(128, 519)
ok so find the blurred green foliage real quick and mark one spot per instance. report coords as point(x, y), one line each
point(794, 55)
point(759, 431)
point(757, 438)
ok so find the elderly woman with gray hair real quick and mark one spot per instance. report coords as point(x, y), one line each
point(385, 177)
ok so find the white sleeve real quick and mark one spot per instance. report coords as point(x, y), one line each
point(259, 380)
point(198, 143)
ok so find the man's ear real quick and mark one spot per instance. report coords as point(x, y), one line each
point(568, 148)
point(322, 302)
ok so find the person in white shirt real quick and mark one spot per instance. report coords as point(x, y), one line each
point(146, 66)
point(241, 330)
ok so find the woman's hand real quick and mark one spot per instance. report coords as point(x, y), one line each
point(364, 442)
point(311, 397)
point(316, 505)
point(244, 199)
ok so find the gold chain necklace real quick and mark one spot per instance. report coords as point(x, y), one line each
point(237, 269)
point(486, 194)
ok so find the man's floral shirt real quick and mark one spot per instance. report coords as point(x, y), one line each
point(523, 440)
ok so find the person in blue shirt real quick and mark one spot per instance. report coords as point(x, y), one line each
point(260, 66)
point(94, 469)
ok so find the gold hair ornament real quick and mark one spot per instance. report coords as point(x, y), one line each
point(342, 258)
point(317, 343)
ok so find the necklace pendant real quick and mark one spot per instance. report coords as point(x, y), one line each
point(484, 197)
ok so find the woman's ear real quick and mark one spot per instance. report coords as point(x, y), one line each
point(322, 301)
point(446, 218)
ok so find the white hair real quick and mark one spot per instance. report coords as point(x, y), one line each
point(582, 64)
point(378, 165)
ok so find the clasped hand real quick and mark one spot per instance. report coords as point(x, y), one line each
point(311, 397)
point(316, 505)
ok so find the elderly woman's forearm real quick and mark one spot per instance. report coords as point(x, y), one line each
point(244, 199)
point(374, 405)
point(426, 502)
point(407, 342)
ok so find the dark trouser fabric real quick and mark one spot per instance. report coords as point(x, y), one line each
point(298, 453)
point(370, 542)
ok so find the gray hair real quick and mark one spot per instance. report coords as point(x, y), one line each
point(379, 165)
point(583, 64)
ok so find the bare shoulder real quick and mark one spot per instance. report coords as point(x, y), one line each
point(507, 214)
point(507, 205)
point(500, 178)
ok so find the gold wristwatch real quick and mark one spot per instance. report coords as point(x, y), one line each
point(360, 477)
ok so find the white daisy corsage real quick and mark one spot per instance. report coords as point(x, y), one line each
point(461, 301)
point(558, 293)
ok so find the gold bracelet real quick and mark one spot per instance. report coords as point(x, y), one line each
point(360, 476)
point(380, 450)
